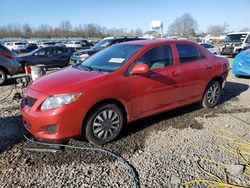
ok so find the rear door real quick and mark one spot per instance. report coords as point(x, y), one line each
point(194, 69)
point(60, 57)
point(42, 56)
point(157, 88)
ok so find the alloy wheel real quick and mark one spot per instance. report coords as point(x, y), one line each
point(213, 94)
point(106, 124)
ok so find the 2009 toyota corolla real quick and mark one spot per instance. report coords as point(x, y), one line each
point(120, 84)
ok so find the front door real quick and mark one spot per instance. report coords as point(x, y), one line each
point(157, 88)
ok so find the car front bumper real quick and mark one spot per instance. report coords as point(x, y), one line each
point(57, 124)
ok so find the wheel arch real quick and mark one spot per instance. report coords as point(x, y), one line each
point(102, 102)
point(5, 70)
point(217, 78)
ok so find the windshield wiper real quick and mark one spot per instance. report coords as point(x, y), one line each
point(91, 68)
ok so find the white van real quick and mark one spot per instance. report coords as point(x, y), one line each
point(235, 42)
point(16, 46)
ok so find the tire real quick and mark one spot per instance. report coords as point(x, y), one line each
point(3, 76)
point(212, 95)
point(99, 128)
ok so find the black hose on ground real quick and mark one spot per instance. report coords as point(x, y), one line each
point(131, 169)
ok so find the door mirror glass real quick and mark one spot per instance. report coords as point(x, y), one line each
point(140, 69)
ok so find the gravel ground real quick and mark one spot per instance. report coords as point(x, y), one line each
point(163, 149)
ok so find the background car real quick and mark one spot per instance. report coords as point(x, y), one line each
point(8, 64)
point(73, 44)
point(54, 56)
point(241, 64)
point(234, 43)
point(16, 46)
point(43, 44)
point(83, 54)
point(212, 48)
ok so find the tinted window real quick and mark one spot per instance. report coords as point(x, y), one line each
point(248, 39)
point(4, 49)
point(20, 43)
point(44, 52)
point(188, 52)
point(157, 58)
point(60, 50)
point(207, 45)
point(235, 37)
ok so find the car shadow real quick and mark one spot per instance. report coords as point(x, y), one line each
point(11, 132)
point(232, 90)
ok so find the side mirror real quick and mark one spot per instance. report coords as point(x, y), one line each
point(140, 69)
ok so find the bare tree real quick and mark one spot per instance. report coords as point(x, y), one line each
point(138, 32)
point(184, 26)
point(27, 31)
point(217, 30)
point(64, 29)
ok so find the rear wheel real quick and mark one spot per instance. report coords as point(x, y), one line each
point(104, 124)
point(3, 76)
point(212, 95)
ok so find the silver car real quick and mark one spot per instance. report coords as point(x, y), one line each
point(8, 64)
point(212, 48)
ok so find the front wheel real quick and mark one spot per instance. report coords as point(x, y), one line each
point(212, 95)
point(104, 124)
point(3, 77)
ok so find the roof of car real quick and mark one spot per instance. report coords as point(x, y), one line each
point(236, 33)
point(155, 42)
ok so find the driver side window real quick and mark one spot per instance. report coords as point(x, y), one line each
point(157, 58)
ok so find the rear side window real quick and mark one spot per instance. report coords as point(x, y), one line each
point(60, 51)
point(207, 45)
point(4, 49)
point(157, 58)
point(189, 53)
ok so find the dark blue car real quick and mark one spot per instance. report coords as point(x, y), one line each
point(241, 64)
point(51, 57)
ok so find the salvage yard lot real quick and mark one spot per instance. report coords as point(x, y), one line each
point(163, 149)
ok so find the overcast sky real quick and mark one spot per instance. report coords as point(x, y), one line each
point(130, 14)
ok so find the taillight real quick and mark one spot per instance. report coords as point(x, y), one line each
point(6, 55)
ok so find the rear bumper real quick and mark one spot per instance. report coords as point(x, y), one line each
point(14, 67)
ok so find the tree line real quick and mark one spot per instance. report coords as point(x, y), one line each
point(64, 30)
point(183, 26)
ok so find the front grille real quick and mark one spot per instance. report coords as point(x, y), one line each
point(29, 101)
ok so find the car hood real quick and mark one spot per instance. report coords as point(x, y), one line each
point(67, 80)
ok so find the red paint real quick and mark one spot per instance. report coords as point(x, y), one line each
point(141, 94)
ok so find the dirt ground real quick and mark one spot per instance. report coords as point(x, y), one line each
point(163, 149)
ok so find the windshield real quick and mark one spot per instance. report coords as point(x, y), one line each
point(110, 59)
point(235, 37)
point(103, 44)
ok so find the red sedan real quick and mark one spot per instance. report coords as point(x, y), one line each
point(120, 84)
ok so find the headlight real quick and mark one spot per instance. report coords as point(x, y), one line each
point(59, 100)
